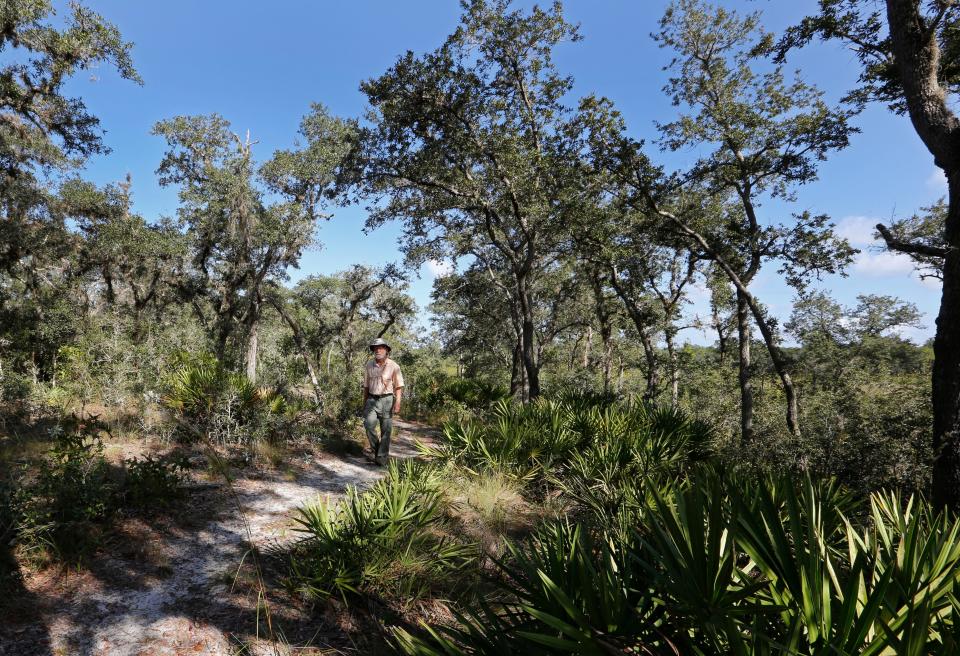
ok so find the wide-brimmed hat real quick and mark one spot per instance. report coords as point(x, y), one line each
point(379, 342)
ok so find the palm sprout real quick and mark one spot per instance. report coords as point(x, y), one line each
point(382, 537)
point(716, 564)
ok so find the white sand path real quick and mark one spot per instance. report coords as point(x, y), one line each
point(171, 615)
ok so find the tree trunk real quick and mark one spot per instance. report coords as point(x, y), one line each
point(516, 371)
point(253, 344)
point(781, 366)
point(746, 386)
point(721, 333)
point(653, 376)
point(917, 55)
point(746, 300)
point(607, 362)
point(530, 363)
point(586, 347)
point(946, 364)
point(641, 321)
point(674, 369)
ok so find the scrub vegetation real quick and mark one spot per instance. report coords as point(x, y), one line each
point(586, 480)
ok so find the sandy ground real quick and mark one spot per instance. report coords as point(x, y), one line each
point(175, 591)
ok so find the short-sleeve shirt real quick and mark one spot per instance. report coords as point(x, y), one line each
point(383, 379)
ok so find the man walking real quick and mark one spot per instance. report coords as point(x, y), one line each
point(382, 391)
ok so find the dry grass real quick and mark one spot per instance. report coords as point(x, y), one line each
point(490, 506)
point(275, 455)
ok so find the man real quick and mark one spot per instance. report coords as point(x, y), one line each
point(382, 391)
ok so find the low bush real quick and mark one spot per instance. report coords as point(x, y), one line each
point(65, 502)
point(152, 483)
point(721, 565)
point(531, 441)
point(223, 406)
point(445, 399)
point(387, 540)
point(61, 507)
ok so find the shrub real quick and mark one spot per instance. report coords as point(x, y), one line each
point(61, 509)
point(226, 407)
point(726, 565)
point(386, 539)
point(529, 441)
point(152, 483)
point(14, 387)
point(457, 398)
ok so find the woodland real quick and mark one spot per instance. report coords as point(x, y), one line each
point(585, 480)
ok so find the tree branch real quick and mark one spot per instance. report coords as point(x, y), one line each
point(911, 248)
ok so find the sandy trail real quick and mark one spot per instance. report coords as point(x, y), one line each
point(128, 610)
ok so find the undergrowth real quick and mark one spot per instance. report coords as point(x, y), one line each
point(389, 541)
point(63, 503)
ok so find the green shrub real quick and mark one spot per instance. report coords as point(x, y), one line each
point(457, 398)
point(386, 539)
point(225, 406)
point(721, 565)
point(15, 387)
point(152, 483)
point(62, 507)
point(530, 441)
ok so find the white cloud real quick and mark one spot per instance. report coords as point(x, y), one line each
point(858, 230)
point(873, 260)
point(937, 180)
point(439, 268)
point(883, 264)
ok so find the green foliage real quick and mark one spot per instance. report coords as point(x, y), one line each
point(458, 398)
point(529, 441)
point(61, 507)
point(152, 483)
point(199, 389)
point(725, 565)
point(225, 406)
point(383, 540)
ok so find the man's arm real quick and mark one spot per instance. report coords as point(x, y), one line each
point(366, 387)
point(397, 390)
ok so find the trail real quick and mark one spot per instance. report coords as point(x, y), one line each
point(130, 606)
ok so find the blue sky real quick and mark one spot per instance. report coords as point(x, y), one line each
point(261, 65)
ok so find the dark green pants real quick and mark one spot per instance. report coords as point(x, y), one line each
point(379, 411)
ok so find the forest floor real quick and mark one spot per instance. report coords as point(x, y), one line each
point(188, 584)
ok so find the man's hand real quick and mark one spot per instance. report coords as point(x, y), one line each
point(396, 408)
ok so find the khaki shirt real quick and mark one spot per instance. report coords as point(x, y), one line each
point(384, 379)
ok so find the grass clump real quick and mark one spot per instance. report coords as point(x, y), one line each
point(489, 505)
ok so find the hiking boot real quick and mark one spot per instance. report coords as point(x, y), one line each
point(382, 460)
